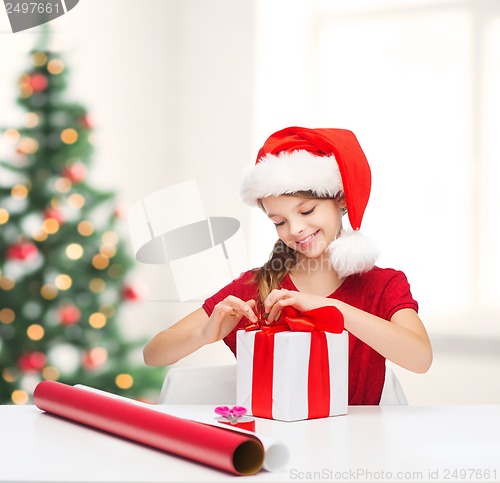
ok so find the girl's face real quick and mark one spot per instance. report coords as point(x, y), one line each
point(307, 225)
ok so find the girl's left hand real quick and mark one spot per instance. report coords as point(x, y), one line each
point(278, 299)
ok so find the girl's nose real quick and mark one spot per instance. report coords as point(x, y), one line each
point(296, 227)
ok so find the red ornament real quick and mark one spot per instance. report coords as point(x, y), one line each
point(75, 172)
point(95, 358)
point(22, 251)
point(69, 314)
point(32, 361)
point(86, 121)
point(39, 82)
point(119, 212)
point(54, 214)
point(133, 293)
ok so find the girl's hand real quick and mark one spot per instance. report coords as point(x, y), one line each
point(278, 299)
point(225, 317)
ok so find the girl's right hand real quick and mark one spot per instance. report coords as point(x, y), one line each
point(225, 317)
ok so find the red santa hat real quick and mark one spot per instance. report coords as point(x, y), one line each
point(326, 162)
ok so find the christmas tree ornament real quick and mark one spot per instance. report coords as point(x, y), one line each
point(68, 314)
point(95, 358)
point(54, 214)
point(75, 172)
point(22, 252)
point(38, 82)
point(32, 361)
point(65, 357)
point(134, 292)
point(86, 121)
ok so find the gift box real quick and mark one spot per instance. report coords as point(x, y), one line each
point(294, 371)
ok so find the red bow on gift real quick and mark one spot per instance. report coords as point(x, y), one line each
point(317, 322)
point(327, 319)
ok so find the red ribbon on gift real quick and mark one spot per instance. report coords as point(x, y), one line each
point(317, 322)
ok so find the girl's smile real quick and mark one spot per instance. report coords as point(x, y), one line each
point(305, 242)
point(307, 225)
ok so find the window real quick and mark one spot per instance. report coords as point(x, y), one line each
point(416, 82)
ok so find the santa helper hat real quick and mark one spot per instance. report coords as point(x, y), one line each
point(326, 162)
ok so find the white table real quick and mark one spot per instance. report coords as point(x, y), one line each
point(371, 443)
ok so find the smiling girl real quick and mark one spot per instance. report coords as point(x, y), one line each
point(305, 180)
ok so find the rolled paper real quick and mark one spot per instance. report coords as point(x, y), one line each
point(231, 451)
point(276, 453)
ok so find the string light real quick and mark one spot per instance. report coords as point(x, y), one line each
point(39, 58)
point(25, 86)
point(107, 310)
point(48, 292)
point(85, 228)
point(28, 145)
point(76, 201)
point(124, 381)
point(97, 320)
point(55, 66)
point(7, 283)
point(51, 226)
point(19, 191)
point(100, 261)
point(8, 376)
point(69, 136)
point(62, 185)
point(31, 120)
point(97, 285)
point(56, 204)
point(63, 282)
point(12, 135)
point(19, 397)
point(107, 251)
point(51, 373)
point(110, 238)
point(7, 316)
point(4, 216)
point(74, 251)
point(116, 270)
point(35, 332)
point(40, 236)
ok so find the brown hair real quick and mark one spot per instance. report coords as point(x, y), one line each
point(282, 258)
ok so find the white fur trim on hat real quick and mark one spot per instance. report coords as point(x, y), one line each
point(352, 252)
point(285, 172)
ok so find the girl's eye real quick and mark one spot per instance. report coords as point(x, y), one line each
point(308, 212)
point(281, 223)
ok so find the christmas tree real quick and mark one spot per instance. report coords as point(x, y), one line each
point(63, 264)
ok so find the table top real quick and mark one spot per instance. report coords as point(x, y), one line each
point(382, 443)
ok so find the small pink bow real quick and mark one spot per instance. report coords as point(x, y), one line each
point(233, 414)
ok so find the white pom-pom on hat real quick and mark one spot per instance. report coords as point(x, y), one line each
point(352, 252)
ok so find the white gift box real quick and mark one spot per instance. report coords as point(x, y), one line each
point(290, 373)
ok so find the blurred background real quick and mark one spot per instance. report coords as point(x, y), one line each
point(190, 89)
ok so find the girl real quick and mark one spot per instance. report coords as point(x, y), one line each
point(305, 180)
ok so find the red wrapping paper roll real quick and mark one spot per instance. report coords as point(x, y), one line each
point(231, 451)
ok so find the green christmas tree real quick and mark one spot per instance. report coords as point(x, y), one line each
point(63, 264)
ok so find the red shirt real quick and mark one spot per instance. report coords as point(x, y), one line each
point(381, 292)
